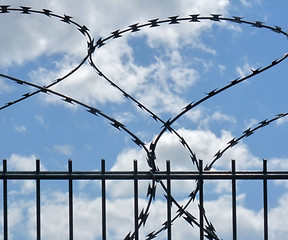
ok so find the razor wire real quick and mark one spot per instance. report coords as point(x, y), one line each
point(84, 30)
point(167, 125)
point(151, 189)
point(151, 156)
point(91, 48)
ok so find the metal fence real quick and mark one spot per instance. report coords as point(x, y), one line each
point(165, 178)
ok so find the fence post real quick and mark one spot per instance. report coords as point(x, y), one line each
point(136, 200)
point(5, 201)
point(265, 199)
point(103, 188)
point(169, 202)
point(201, 198)
point(234, 216)
point(70, 200)
point(38, 201)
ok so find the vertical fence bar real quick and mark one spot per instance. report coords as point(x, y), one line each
point(38, 203)
point(234, 216)
point(201, 197)
point(70, 200)
point(265, 199)
point(5, 202)
point(136, 201)
point(169, 202)
point(103, 188)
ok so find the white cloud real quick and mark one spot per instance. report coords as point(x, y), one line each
point(278, 219)
point(216, 117)
point(20, 129)
point(249, 222)
point(42, 121)
point(35, 40)
point(18, 162)
point(222, 68)
point(204, 143)
point(250, 3)
point(34, 43)
point(4, 87)
point(65, 149)
point(246, 3)
point(282, 120)
point(85, 85)
point(245, 69)
point(22, 163)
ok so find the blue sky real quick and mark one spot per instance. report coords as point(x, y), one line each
point(165, 68)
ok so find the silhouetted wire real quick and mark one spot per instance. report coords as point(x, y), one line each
point(167, 125)
point(151, 156)
point(4, 9)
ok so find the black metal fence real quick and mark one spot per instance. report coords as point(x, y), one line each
point(164, 177)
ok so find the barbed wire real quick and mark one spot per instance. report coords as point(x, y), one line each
point(167, 125)
point(211, 234)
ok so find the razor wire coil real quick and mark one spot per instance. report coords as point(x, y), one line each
point(92, 46)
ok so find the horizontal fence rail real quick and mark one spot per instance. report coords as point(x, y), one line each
point(135, 176)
